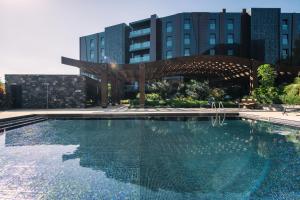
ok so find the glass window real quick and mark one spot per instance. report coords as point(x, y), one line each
point(230, 39)
point(169, 54)
point(285, 39)
point(169, 41)
point(102, 41)
point(284, 24)
point(212, 52)
point(92, 55)
point(230, 24)
point(187, 52)
point(212, 24)
point(187, 24)
point(212, 39)
point(92, 44)
point(169, 27)
point(230, 52)
point(102, 53)
point(187, 39)
point(284, 54)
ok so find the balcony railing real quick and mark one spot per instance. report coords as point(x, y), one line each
point(145, 58)
point(139, 46)
point(140, 32)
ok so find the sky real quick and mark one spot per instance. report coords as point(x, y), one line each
point(34, 34)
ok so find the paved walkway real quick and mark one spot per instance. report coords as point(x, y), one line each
point(121, 110)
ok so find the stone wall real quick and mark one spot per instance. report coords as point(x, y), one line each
point(58, 91)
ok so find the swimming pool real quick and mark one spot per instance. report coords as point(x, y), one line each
point(153, 158)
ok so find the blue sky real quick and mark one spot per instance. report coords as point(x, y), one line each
point(34, 34)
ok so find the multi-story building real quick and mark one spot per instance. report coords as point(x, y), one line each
point(264, 34)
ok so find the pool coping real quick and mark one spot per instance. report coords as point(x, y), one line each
point(145, 114)
point(274, 120)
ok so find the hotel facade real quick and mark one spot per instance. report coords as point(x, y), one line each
point(264, 34)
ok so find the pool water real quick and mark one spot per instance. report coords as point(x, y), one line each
point(156, 158)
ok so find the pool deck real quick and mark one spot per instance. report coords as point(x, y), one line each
point(291, 118)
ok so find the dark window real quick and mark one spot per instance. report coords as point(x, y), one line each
point(212, 39)
point(285, 39)
point(187, 39)
point(169, 41)
point(230, 39)
point(230, 24)
point(169, 54)
point(284, 54)
point(92, 44)
point(102, 41)
point(212, 52)
point(102, 53)
point(169, 27)
point(187, 24)
point(230, 52)
point(187, 52)
point(212, 24)
point(92, 55)
point(284, 24)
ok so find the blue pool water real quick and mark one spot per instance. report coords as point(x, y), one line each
point(162, 158)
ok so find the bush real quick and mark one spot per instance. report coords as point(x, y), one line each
point(163, 88)
point(197, 90)
point(153, 97)
point(186, 103)
point(217, 93)
point(266, 93)
point(292, 92)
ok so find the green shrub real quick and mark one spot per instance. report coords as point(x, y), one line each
point(217, 93)
point(266, 93)
point(153, 97)
point(292, 92)
point(197, 90)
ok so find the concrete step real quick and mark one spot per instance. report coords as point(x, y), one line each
point(19, 122)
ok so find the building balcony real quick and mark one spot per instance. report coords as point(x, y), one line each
point(139, 33)
point(144, 58)
point(139, 46)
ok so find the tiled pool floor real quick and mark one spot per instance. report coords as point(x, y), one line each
point(178, 158)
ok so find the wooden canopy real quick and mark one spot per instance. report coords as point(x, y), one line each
point(217, 67)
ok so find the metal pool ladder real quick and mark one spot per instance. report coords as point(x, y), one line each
point(220, 106)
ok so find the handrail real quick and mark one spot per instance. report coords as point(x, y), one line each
point(221, 104)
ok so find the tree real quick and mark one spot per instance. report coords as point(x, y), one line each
point(266, 93)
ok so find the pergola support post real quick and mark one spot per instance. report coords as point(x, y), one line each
point(104, 87)
point(142, 84)
point(114, 90)
point(253, 77)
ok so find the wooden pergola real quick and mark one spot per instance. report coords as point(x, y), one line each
point(225, 68)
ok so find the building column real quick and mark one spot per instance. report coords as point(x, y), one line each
point(104, 87)
point(142, 84)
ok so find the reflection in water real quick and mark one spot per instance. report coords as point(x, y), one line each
point(190, 156)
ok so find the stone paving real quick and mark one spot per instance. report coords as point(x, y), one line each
point(273, 116)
